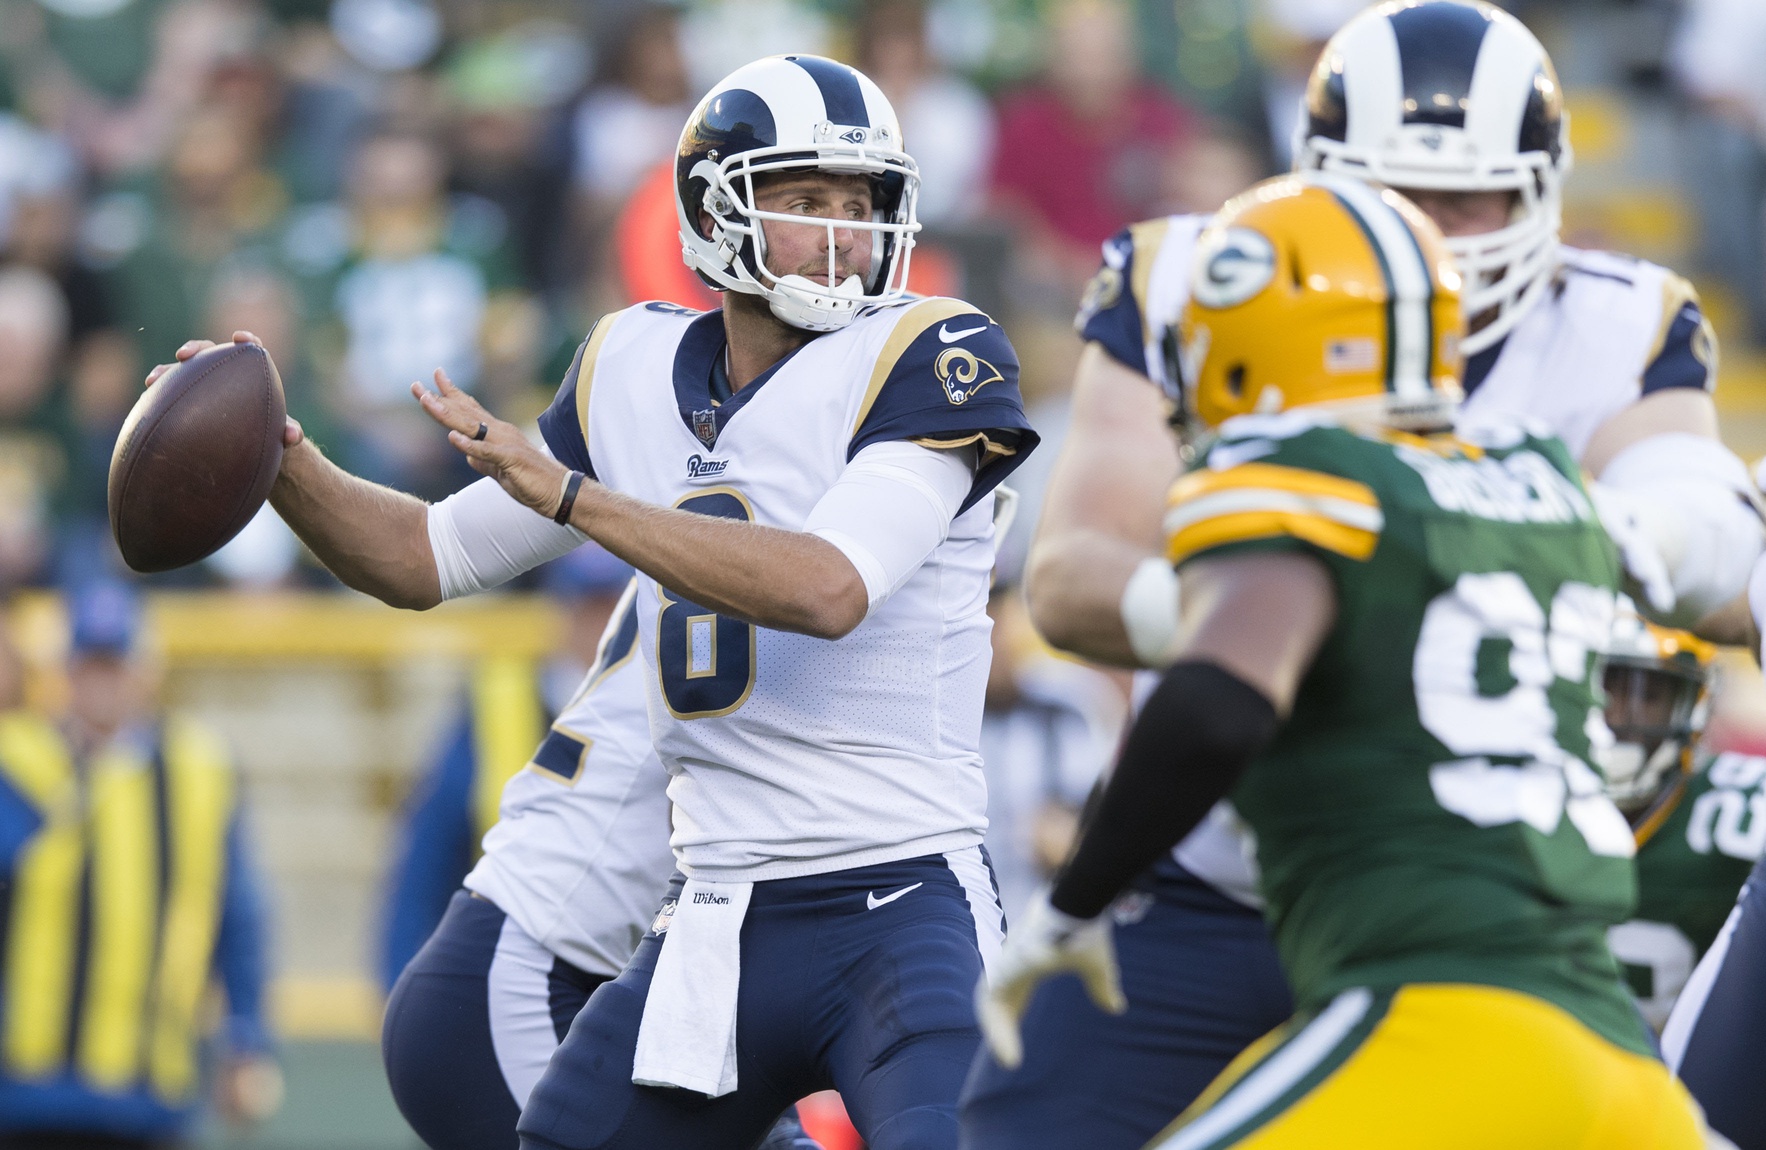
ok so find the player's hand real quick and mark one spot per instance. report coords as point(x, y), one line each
point(494, 447)
point(291, 429)
point(1045, 942)
point(248, 1089)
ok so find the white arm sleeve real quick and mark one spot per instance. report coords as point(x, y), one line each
point(1694, 502)
point(891, 508)
point(482, 537)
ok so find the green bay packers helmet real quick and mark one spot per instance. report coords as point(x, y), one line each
point(1318, 290)
point(1658, 683)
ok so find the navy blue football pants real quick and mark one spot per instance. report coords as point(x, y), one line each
point(1202, 982)
point(1716, 1038)
point(839, 990)
point(457, 1034)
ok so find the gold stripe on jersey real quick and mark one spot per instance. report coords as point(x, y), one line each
point(585, 372)
point(988, 444)
point(125, 905)
point(1265, 500)
point(199, 806)
point(915, 319)
point(1146, 238)
point(41, 937)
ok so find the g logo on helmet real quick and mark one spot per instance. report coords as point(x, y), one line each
point(1232, 266)
point(963, 373)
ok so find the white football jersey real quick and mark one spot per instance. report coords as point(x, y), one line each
point(579, 855)
point(791, 755)
point(1611, 330)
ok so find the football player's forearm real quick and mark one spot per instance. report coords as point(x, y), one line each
point(785, 580)
point(374, 539)
point(1073, 584)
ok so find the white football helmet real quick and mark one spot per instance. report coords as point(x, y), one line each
point(791, 113)
point(1657, 683)
point(1450, 95)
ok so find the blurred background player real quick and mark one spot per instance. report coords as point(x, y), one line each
point(1439, 860)
point(506, 711)
point(1693, 811)
point(1049, 728)
point(570, 878)
point(130, 893)
point(1611, 353)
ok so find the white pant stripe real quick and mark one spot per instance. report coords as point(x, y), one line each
point(518, 995)
point(984, 905)
point(1280, 1073)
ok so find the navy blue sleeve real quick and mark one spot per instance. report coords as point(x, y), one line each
point(1109, 313)
point(435, 853)
point(1687, 355)
point(560, 425)
point(949, 376)
point(241, 946)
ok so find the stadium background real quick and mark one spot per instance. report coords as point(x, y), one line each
point(380, 186)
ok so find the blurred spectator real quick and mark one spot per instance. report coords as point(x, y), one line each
point(510, 145)
point(947, 125)
point(1049, 728)
point(1716, 59)
point(131, 890)
point(1084, 151)
point(1207, 170)
point(722, 35)
point(416, 281)
point(630, 122)
point(500, 724)
point(33, 460)
point(120, 78)
point(161, 241)
point(1293, 33)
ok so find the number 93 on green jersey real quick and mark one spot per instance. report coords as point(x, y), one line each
point(1428, 812)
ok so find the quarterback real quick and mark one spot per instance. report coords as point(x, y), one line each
point(1458, 103)
point(804, 481)
point(1389, 642)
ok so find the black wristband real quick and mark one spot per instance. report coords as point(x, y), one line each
point(572, 484)
point(1198, 731)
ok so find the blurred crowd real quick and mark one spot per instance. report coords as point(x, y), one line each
point(381, 187)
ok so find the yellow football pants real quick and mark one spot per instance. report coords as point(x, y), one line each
point(1439, 1067)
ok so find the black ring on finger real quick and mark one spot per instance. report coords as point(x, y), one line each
point(483, 430)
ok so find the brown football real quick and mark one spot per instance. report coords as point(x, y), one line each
point(196, 458)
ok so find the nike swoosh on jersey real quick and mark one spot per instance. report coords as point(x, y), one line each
point(946, 335)
point(872, 902)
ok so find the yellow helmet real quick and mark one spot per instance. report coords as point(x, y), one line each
point(1313, 289)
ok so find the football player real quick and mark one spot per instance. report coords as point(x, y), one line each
point(570, 878)
point(813, 462)
point(1388, 647)
point(1692, 812)
point(1459, 103)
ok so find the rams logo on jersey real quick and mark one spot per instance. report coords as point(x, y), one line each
point(1236, 265)
point(963, 373)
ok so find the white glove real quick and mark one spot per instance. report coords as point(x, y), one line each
point(1638, 548)
point(1045, 942)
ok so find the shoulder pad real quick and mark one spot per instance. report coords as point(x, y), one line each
point(564, 425)
point(1263, 490)
point(946, 376)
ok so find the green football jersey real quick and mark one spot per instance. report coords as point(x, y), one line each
point(1427, 813)
point(1694, 851)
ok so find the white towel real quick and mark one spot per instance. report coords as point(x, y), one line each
point(687, 1037)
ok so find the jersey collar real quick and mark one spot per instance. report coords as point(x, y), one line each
point(1479, 365)
point(702, 382)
